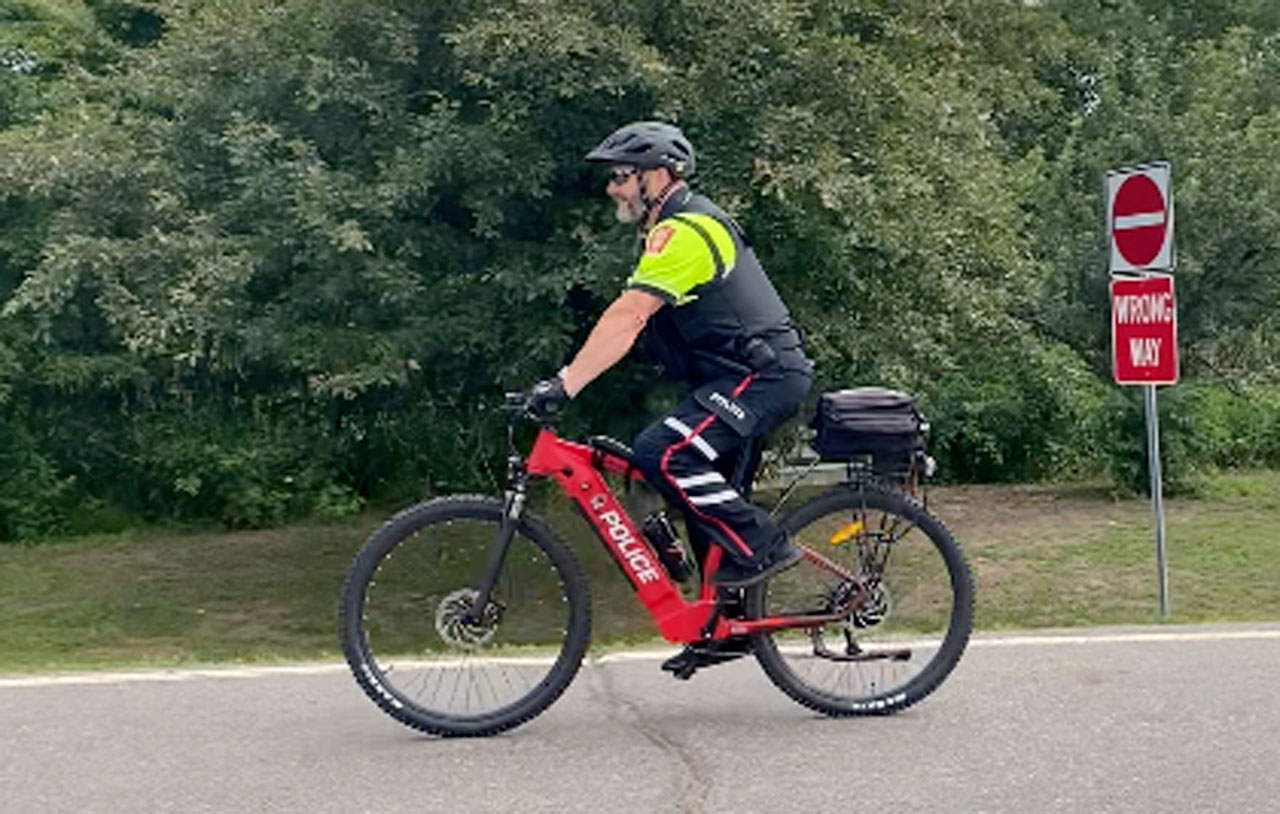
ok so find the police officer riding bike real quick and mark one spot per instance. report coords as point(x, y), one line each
point(705, 310)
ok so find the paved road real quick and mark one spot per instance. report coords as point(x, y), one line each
point(1154, 720)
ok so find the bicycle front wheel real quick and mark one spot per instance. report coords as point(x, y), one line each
point(405, 630)
point(907, 594)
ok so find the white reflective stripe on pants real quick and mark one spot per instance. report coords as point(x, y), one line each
point(700, 444)
point(700, 480)
point(713, 499)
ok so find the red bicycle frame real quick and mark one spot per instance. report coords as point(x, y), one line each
point(576, 468)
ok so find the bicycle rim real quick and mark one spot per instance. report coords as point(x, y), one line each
point(903, 634)
point(411, 646)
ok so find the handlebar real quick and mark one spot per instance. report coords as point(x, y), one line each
point(515, 405)
point(519, 407)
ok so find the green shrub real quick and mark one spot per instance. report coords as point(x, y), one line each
point(34, 496)
point(1204, 427)
point(1182, 462)
point(1021, 410)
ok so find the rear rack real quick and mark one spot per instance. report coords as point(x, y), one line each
point(860, 471)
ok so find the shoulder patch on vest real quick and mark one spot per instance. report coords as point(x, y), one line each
point(658, 239)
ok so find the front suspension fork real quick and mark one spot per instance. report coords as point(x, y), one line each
point(512, 507)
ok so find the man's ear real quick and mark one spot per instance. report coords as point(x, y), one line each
point(658, 179)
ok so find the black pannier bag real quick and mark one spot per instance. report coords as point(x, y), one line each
point(870, 421)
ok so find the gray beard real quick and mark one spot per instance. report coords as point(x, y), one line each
point(630, 211)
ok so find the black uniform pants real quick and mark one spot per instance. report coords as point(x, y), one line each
point(688, 456)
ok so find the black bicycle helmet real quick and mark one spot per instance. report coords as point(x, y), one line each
point(648, 145)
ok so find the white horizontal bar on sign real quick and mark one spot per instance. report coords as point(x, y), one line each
point(1139, 221)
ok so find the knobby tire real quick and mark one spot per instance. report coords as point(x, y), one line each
point(419, 528)
point(955, 636)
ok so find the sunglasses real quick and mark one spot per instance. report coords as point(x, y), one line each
point(619, 176)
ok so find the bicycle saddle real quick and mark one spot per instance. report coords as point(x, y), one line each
point(611, 446)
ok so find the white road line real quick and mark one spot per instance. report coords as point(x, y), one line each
point(1124, 638)
point(187, 674)
point(978, 642)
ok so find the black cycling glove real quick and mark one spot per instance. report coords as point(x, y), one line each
point(548, 398)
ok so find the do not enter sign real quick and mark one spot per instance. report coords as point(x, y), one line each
point(1140, 218)
point(1144, 331)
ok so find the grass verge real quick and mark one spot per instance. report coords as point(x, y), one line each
point(1042, 556)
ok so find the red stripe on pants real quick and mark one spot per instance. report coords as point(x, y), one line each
point(677, 446)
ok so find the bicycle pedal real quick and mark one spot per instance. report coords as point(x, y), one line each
point(682, 665)
point(688, 661)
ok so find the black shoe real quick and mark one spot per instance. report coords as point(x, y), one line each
point(694, 657)
point(732, 575)
point(683, 664)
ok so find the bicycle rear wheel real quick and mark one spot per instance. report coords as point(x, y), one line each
point(403, 629)
point(905, 633)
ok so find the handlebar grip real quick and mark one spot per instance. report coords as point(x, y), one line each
point(519, 406)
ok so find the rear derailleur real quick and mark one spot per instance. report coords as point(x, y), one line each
point(870, 606)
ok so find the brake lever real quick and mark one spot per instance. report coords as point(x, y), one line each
point(516, 406)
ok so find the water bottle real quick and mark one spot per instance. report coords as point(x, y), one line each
point(660, 534)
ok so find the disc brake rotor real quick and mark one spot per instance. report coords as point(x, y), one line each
point(455, 628)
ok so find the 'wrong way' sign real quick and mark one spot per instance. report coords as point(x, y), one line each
point(1144, 331)
point(1140, 218)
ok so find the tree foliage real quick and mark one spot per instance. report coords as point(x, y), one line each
point(260, 259)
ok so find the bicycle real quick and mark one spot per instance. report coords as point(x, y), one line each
point(480, 613)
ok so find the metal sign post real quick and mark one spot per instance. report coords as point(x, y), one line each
point(1144, 337)
point(1157, 495)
